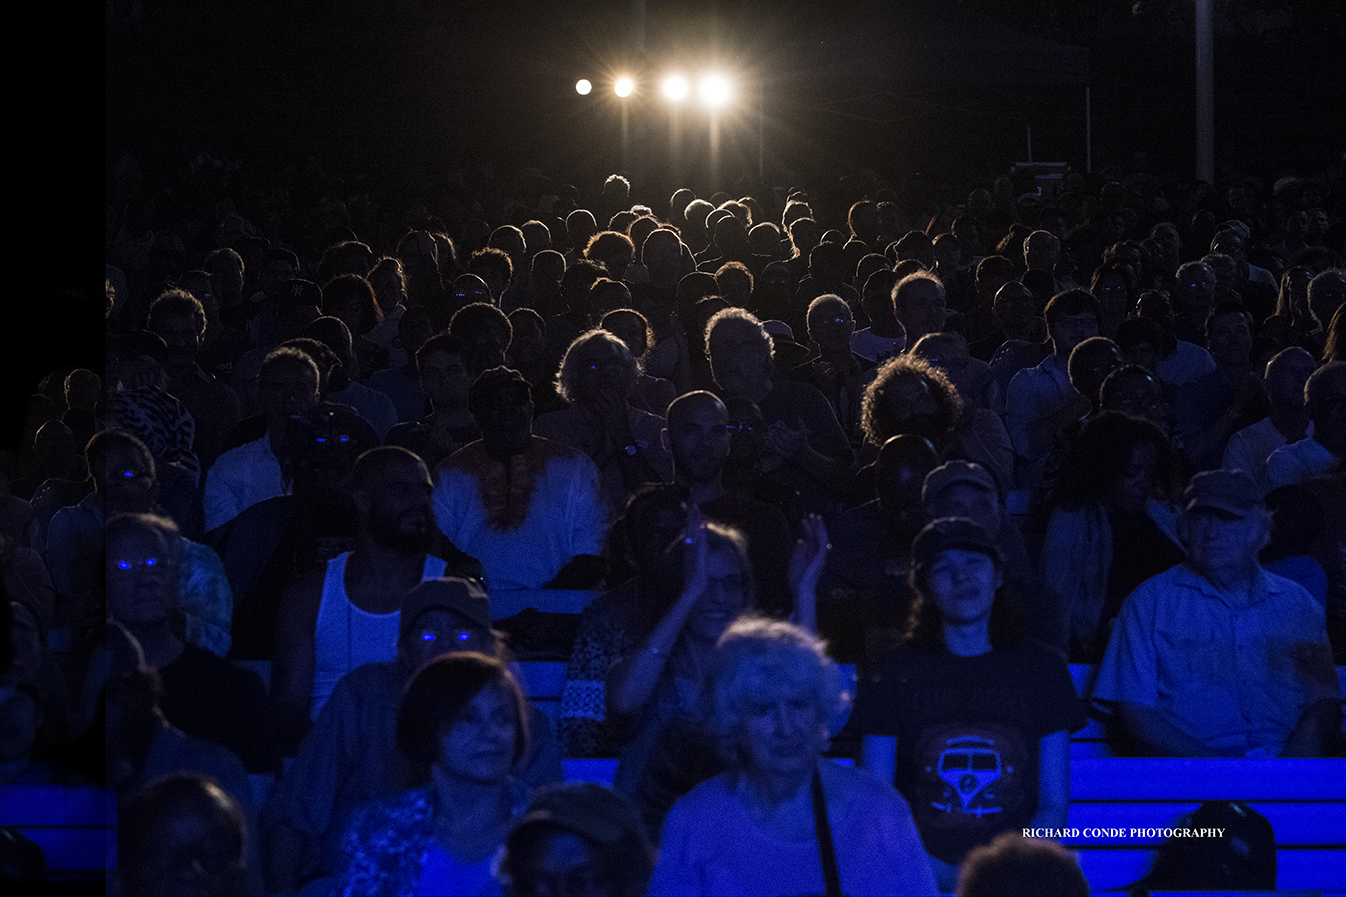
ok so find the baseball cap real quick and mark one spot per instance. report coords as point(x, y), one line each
point(1231, 491)
point(948, 533)
point(951, 472)
point(297, 291)
point(464, 597)
point(587, 809)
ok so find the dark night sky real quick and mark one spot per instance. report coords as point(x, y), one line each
point(463, 82)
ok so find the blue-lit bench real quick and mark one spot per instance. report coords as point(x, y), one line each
point(76, 827)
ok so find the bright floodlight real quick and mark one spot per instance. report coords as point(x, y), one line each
point(675, 87)
point(624, 87)
point(714, 90)
point(582, 87)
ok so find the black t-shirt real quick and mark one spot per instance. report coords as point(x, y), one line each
point(1140, 550)
point(216, 700)
point(967, 731)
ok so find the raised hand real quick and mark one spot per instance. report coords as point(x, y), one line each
point(806, 568)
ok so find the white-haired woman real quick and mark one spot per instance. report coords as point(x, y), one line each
point(782, 820)
point(597, 375)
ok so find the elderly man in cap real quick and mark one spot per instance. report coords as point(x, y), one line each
point(528, 508)
point(350, 757)
point(1216, 657)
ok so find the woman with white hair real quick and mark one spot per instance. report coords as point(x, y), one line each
point(782, 820)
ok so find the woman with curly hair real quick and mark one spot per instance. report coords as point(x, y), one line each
point(911, 395)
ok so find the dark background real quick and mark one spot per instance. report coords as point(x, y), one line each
point(415, 99)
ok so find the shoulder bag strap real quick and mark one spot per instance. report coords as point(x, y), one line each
point(831, 877)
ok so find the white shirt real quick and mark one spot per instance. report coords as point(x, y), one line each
point(1300, 461)
point(1188, 362)
point(565, 517)
point(241, 478)
point(1236, 678)
point(1249, 448)
point(1033, 394)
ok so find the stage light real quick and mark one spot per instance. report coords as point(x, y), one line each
point(624, 87)
point(675, 87)
point(582, 87)
point(714, 90)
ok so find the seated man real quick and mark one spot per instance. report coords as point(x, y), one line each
point(598, 373)
point(1324, 449)
point(806, 446)
point(1288, 421)
point(449, 425)
point(203, 695)
point(1041, 400)
point(529, 509)
point(1216, 657)
point(698, 438)
point(345, 613)
point(350, 758)
point(286, 385)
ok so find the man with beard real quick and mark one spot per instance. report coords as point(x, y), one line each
point(337, 617)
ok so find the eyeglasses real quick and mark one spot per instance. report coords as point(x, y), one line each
point(740, 426)
point(451, 636)
point(129, 566)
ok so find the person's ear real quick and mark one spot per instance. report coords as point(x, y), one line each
point(664, 440)
point(360, 498)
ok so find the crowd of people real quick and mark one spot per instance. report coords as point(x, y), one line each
point(333, 483)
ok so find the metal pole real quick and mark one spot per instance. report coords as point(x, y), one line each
point(761, 118)
point(1205, 94)
point(1088, 133)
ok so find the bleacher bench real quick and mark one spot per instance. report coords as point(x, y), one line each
point(76, 827)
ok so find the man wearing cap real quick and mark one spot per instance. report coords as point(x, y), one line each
point(528, 508)
point(350, 757)
point(1216, 657)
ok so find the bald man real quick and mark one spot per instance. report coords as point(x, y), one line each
point(697, 435)
point(1283, 383)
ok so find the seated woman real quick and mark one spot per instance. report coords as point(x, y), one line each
point(970, 720)
point(1109, 530)
point(464, 723)
point(782, 820)
point(597, 376)
point(657, 685)
point(613, 624)
point(911, 395)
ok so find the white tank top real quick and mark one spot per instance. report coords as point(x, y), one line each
point(347, 637)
